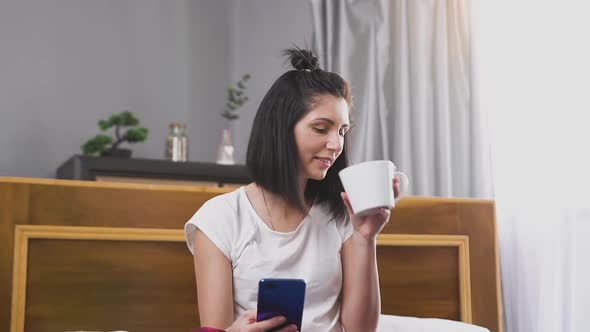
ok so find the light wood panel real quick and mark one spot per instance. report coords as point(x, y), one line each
point(429, 271)
point(85, 278)
point(474, 218)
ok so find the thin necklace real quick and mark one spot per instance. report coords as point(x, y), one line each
point(272, 226)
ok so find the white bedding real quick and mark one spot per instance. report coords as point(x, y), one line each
point(390, 323)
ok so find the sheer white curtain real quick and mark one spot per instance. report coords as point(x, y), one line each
point(411, 69)
point(534, 77)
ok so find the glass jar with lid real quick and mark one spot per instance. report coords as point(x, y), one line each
point(177, 142)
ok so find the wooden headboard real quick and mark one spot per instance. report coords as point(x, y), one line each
point(77, 255)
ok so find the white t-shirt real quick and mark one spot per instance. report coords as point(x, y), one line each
point(311, 252)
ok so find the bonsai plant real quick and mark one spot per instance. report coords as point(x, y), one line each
point(105, 145)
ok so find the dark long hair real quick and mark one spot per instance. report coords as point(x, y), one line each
point(272, 157)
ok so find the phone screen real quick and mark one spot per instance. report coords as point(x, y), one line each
point(281, 297)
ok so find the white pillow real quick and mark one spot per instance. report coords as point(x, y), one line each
point(390, 323)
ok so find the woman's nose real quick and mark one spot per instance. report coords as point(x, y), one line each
point(335, 142)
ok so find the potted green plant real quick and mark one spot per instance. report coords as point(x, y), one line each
point(236, 98)
point(105, 145)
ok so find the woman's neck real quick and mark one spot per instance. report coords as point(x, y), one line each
point(302, 186)
point(281, 215)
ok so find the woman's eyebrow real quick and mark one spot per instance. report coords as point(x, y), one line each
point(330, 121)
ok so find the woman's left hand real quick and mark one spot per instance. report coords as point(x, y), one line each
point(370, 225)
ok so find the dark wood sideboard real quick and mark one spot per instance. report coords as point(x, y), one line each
point(154, 171)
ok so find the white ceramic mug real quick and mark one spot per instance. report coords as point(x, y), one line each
point(369, 185)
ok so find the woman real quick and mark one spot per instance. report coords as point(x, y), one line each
point(294, 220)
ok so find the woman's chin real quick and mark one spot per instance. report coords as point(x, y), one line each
point(319, 175)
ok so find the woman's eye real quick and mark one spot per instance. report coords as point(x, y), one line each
point(320, 130)
point(343, 132)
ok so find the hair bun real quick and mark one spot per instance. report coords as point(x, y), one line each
point(302, 59)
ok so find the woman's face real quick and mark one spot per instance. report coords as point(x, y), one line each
point(319, 136)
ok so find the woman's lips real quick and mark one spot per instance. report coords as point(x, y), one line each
point(324, 162)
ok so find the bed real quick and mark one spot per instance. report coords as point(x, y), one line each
point(82, 255)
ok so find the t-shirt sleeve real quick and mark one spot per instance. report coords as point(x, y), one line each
point(216, 219)
point(345, 229)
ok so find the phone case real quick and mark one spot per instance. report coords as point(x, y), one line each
point(281, 297)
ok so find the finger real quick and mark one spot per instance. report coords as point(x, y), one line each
point(270, 323)
point(289, 328)
point(378, 212)
point(396, 191)
point(249, 316)
point(347, 202)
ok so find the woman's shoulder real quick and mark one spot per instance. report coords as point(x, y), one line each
point(219, 219)
point(227, 207)
point(323, 216)
point(220, 207)
point(224, 201)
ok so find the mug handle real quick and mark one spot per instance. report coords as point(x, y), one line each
point(404, 184)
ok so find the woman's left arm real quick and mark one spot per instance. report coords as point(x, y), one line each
point(361, 298)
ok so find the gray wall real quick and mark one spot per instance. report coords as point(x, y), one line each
point(259, 43)
point(65, 64)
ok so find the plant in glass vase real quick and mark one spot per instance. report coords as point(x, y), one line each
point(236, 98)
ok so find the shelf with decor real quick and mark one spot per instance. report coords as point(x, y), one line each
point(152, 171)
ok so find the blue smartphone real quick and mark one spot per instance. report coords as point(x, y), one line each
point(281, 297)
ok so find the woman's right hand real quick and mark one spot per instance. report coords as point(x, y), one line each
point(247, 323)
